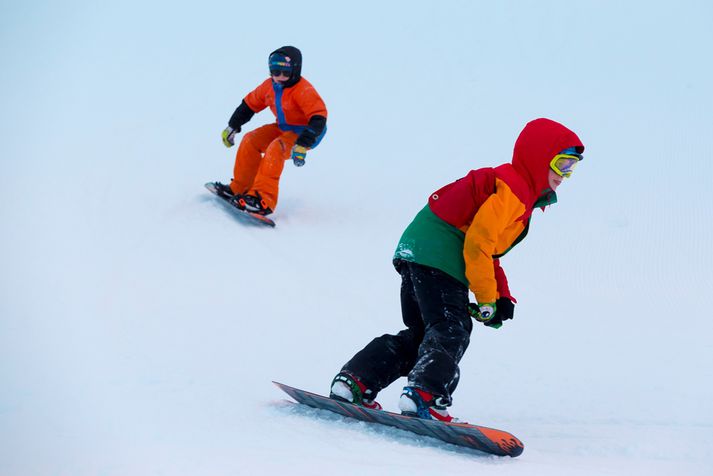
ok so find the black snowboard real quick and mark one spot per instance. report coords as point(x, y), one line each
point(251, 217)
point(488, 440)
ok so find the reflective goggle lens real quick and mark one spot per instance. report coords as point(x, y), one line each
point(563, 164)
point(279, 72)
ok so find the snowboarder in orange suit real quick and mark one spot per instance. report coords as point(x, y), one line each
point(301, 122)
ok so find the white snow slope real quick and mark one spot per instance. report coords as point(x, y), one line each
point(141, 324)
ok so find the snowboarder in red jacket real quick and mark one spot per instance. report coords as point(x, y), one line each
point(453, 246)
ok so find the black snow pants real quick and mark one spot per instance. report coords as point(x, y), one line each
point(438, 327)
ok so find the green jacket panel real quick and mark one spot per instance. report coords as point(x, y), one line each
point(430, 241)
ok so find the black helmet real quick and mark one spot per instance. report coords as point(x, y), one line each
point(288, 59)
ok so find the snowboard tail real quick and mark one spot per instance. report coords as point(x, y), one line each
point(488, 440)
point(245, 215)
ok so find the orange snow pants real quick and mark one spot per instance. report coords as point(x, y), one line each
point(260, 160)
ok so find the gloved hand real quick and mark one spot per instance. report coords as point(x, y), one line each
point(298, 155)
point(492, 314)
point(482, 312)
point(228, 136)
point(506, 308)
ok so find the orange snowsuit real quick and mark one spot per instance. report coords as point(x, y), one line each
point(261, 155)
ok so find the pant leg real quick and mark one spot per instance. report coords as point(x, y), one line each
point(273, 163)
point(389, 357)
point(443, 302)
point(249, 156)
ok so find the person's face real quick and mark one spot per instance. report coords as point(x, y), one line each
point(280, 76)
point(554, 180)
point(561, 167)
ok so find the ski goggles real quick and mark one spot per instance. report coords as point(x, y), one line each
point(563, 164)
point(280, 72)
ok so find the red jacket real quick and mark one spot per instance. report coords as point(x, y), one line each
point(492, 207)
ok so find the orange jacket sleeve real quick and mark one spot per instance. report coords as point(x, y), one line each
point(257, 99)
point(490, 231)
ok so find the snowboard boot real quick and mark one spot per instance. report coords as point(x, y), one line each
point(415, 402)
point(348, 388)
point(223, 190)
point(252, 203)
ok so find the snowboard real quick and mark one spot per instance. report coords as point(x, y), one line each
point(245, 215)
point(488, 440)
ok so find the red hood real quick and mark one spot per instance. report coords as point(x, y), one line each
point(537, 144)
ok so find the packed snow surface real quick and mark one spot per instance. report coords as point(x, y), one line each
point(141, 324)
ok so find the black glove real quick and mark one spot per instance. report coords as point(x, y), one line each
point(307, 138)
point(316, 127)
point(504, 310)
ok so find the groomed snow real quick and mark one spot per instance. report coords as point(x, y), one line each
point(141, 324)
